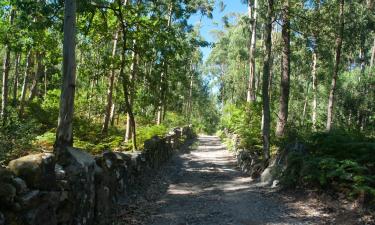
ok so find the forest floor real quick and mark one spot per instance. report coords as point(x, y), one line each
point(203, 186)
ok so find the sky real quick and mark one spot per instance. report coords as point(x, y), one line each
point(216, 23)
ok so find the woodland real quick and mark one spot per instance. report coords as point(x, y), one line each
point(109, 74)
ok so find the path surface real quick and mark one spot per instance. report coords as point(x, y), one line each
point(203, 186)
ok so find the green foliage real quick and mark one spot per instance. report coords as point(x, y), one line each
point(339, 160)
point(244, 121)
point(16, 137)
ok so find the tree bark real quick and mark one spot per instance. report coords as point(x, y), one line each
point(111, 82)
point(372, 54)
point(331, 99)
point(6, 68)
point(125, 81)
point(251, 83)
point(37, 76)
point(315, 90)
point(133, 69)
point(16, 77)
point(4, 93)
point(285, 74)
point(162, 88)
point(25, 82)
point(64, 134)
point(265, 83)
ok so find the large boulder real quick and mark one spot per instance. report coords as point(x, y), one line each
point(37, 170)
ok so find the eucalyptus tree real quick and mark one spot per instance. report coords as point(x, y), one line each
point(64, 133)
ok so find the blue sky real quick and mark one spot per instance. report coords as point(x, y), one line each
point(216, 23)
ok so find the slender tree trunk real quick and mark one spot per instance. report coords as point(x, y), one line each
point(285, 77)
point(163, 85)
point(133, 68)
point(336, 68)
point(45, 82)
point(315, 90)
point(4, 96)
point(125, 82)
point(37, 76)
point(251, 83)
point(5, 87)
point(265, 83)
point(112, 117)
point(64, 134)
point(25, 82)
point(372, 54)
point(16, 77)
point(159, 116)
point(111, 82)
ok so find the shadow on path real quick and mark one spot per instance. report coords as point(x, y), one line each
point(203, 186)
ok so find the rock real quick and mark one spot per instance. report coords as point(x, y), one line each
point(29, 199)
point(275, 184)
point(6, 175)
point(7, 194)
point(44, 211)
point(79, 167)
point(20, 185)
point(2, 219)
point(60, 172)
point(37, 170)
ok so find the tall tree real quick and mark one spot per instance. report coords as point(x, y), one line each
point(338, 45)
point(111, 84)
point(253, 15)
point(266, 122)
point(285, 73)
point(64, 134)
point(6, 68)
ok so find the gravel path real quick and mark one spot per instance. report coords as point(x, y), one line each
point(203, 186)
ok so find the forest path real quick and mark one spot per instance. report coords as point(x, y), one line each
point(203, 186)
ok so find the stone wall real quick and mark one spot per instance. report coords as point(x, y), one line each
point(79, 189)
point(247, 160)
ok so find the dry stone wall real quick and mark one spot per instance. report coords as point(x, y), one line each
point(79, 189)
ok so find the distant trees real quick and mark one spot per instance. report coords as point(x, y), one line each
point(309, 46)
point(111, 56)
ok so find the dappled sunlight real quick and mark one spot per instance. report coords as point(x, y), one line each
point(208, 187)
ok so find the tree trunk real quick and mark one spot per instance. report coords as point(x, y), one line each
point(315, 90)
point(160, 112)
point(37, 76)
point(285, 74)
point(161, 106)
point(5, 87)
point(265, 83)
point(64, 134)
point(4, 96)
point(336, 68)
point(15, 79)
point(25, 82)
point(372, 54)
point(133, 68)
point(111, 82)
point(251, 83)
point(125, 82)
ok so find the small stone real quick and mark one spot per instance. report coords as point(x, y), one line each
point(60, 172)
point(275, 184)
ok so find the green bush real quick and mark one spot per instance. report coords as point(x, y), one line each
point(339, 160)
point(16, 137)
point(246, 122)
